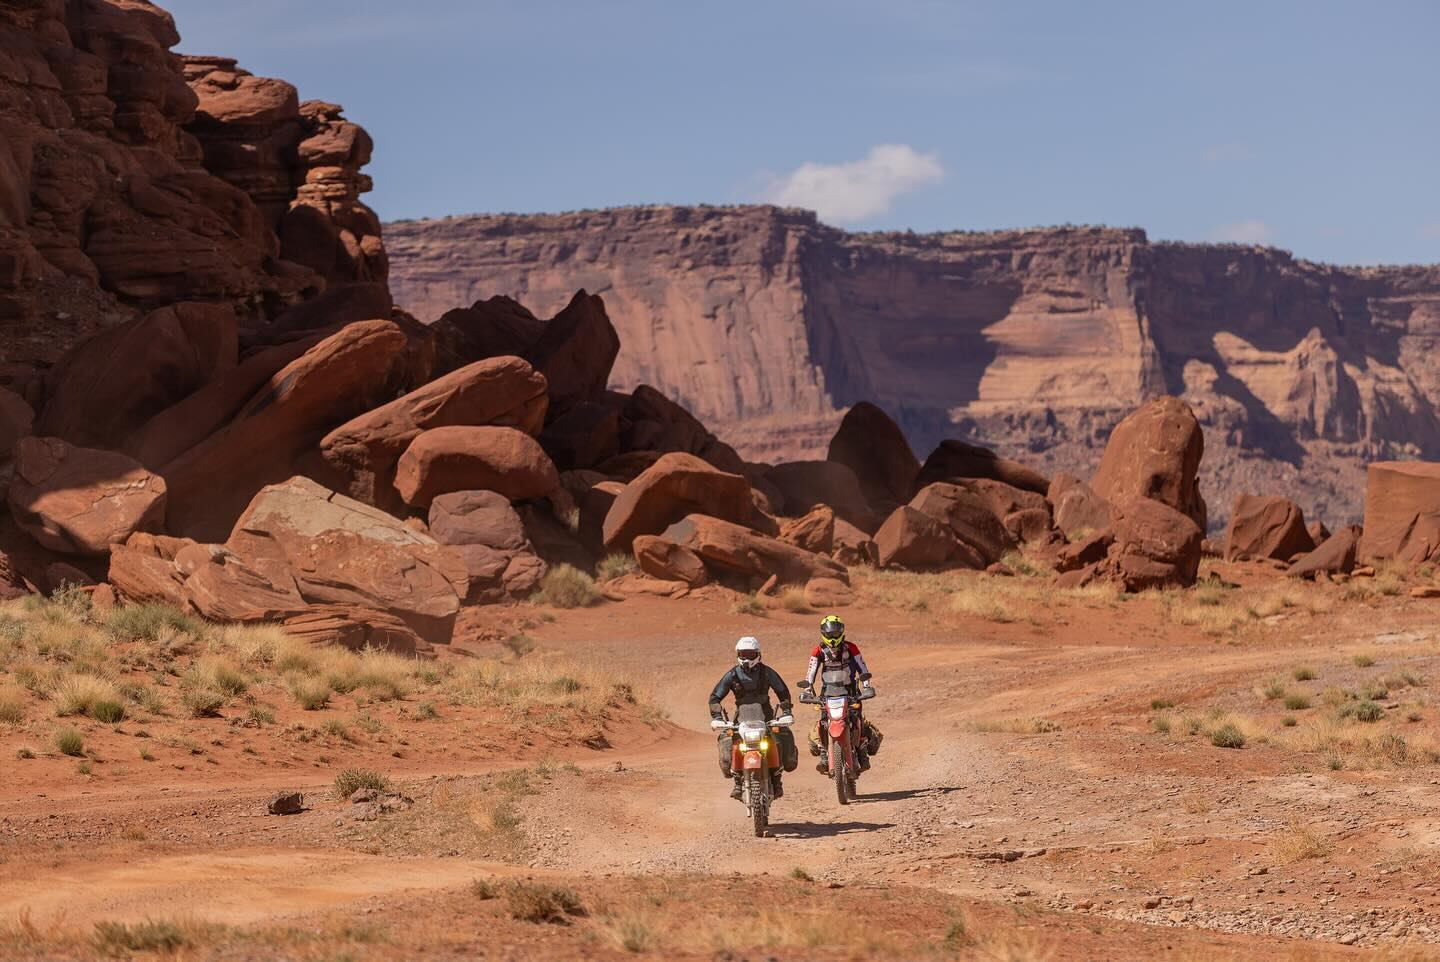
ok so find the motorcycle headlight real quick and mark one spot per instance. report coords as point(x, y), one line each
point(752, 734)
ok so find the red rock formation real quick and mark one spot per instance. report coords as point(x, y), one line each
point(1266, 527)
point(117, 196)
point(1402, 512)
point(766, 324)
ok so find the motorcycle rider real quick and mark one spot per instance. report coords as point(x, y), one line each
point(835, 652)
point(751, 682)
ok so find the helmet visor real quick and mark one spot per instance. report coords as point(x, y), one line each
point(832, 630)
point(748, 657)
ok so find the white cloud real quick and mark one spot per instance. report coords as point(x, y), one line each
point(1244, 232)
point(860, 189)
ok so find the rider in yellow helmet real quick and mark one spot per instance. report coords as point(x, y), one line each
point(835, 652)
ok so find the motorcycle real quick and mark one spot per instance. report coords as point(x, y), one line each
point(755, 753)
point(840, 728)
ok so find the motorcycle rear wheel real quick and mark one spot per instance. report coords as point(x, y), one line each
point(759, 804)
point(838, 772)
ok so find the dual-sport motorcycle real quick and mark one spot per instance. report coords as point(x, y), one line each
point(757, 754)
point(841, 728)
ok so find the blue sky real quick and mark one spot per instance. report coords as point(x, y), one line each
point(1312, 126)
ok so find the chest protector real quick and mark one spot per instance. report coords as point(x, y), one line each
point(748, 685)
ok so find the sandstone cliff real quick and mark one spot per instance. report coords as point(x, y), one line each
point(767, 323)
point(132, 178)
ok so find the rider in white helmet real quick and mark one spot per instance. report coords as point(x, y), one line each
point(751, 682)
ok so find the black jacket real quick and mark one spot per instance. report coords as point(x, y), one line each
point(750, 686)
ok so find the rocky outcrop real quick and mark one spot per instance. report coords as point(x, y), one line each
point(1336, 555)
point(733, 549)
point(871, 445)
point(958, 461)
point(1402, 512)
point(912, 539)
point(123, 188)
point(1155, 453)
point(81, 500)
point(677, 485)
point(767, 324)
point(1075, 507)
point(968, 510)
point(1266, 527)
point(669, 561)
point(484, 530)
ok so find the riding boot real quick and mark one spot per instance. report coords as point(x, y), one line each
point(738, 792)
point(864, 760)
point(777, 784)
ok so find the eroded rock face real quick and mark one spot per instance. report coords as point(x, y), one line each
point(1335, 555)
point(668, 561)
point(768, 324)
point(1266, 527)
point(912, 539)
point(956, 461)
point(1151, 546)
point(1075, 506)
point(1155, 453)
point(805, 484)
point(487, 534)
point(81, 500)
point(110, 203)
point(1402, 512)
point(968, 510)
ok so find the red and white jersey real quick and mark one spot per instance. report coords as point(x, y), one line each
point(846, 656)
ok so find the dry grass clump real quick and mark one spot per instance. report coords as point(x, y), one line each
point(95, 697)
point(351, 780)
point(1016, 726)
point(749, 605)
point(565, 586)
point(793, 599)
point(992, 598)
point(613, 566)
point(535, 684)
point(980, 600)
point(12, 705)
point(1299, 842)
point(552, 904)
point(69, 741)
point(1217, 610)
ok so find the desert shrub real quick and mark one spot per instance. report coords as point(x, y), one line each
point(203, 702)
point(519, 644)
point(1227, 735)
point(70, 742)
point(977, 598)
point(1162, 724)
point(1289, 721)
point(1303, 673)
point(1298, 842)
point(351, 780)
point(151, 621)
point(749, 605)
point(799, 874)
point(530, 902)
point(311, 694)
point(217, 674)
point(12, 705)
point(484, 889)
point(261, 715)
point(1273, 691)
point(1297, 702)
point(1160, 704)
point(109, 712)
point(565, 586)
point(613, 566)
point(793, 599)
point(1363, 661)
point(79, 695)
point(1368, 711)
point(119, 938)
point(426, 711)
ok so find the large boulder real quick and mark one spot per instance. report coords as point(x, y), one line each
point(81, 500)
point(872, 445)
point(583, 436)
point(486, 532)
point(1077, 509)
point(183, 425)
point(675, 486)
point(461, 458)
point(113, 383)
point(1266, 527)
point(1025, 514)
point(853, 546)
point(346, 553)
point(650, 421)
point(805, 484)
point(734, 549)
point(1155, 546)
point(143, 570)
point(1402, 512)
point(363, 452)
point(346, 373)
point(967, 508)
point(1336, 555)
point(494, 328)
point(17, 420)
point(669, 561)
point(1155, 453)
point(813, 532)
point(576, 352)
point(956, 460)
point(913, 539)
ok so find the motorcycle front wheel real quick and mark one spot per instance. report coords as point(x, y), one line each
point(838, 772)
point(759, 804)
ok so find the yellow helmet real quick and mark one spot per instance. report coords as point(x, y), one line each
point(832, 632)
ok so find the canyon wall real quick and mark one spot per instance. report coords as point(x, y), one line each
point(767, 324)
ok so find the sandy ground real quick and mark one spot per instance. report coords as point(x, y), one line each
point(1025, 806)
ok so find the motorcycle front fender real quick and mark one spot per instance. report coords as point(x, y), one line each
point(837, 729)
point(754, 760)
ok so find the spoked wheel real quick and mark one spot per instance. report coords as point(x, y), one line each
point(838, 773)
point(759, 804)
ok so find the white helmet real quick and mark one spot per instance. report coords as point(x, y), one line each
point(747, 652)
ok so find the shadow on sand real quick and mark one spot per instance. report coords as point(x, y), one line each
point(812, 830)
point(934, 791)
